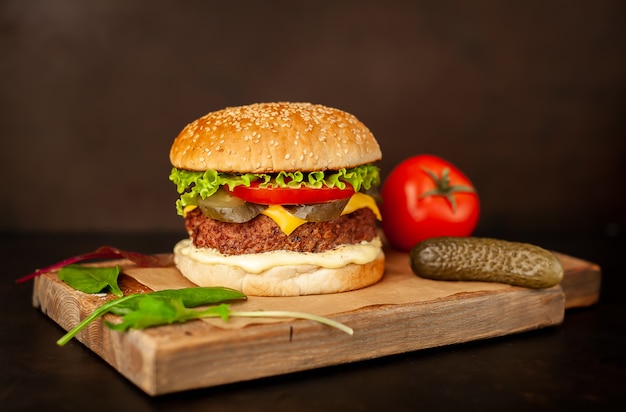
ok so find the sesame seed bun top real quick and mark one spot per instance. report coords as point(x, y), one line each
point(272, 137)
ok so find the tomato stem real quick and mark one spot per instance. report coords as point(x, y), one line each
point(443, 187)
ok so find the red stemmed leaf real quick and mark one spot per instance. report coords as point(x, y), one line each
point(103, 252)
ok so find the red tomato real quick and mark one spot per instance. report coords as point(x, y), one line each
point(426, 196)
point(289, 196)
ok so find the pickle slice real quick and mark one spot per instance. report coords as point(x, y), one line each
point(224, 207)
point(318, 212)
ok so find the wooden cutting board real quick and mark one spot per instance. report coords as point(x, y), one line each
point(197, 354)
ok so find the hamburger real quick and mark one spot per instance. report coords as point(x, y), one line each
point(278, 199)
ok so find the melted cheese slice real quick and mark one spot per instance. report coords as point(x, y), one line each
point(188, 209)
point(341, 256)
point(359, 201)
point(285, 220)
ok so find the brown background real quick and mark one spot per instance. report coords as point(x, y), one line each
point(527, 98)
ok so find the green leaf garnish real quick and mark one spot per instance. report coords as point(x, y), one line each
point(144, 310)
point(188, 297)
point(91, 279)
point(151, 311)
point(164, 307)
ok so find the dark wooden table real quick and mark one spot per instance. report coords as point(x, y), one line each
point(580, 364)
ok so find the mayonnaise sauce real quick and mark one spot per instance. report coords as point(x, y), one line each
point(361, 253)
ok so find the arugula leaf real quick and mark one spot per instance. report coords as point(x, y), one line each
point(153, 311)
point(141, 311)
point(101, 311)
point(91, 279)
point(190, 297)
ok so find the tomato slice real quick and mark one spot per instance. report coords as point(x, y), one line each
point(290, 196)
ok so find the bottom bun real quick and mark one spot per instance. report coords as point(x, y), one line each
point(284, 280)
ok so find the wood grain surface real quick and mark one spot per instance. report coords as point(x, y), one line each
point(196, 354)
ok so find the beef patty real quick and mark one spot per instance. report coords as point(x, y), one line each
point(262, 234)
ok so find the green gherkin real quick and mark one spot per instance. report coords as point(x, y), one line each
point(486, 260)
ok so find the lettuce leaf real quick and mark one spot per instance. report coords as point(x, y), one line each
point(192, 184)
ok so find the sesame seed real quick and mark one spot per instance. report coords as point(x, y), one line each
point(257, 123)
